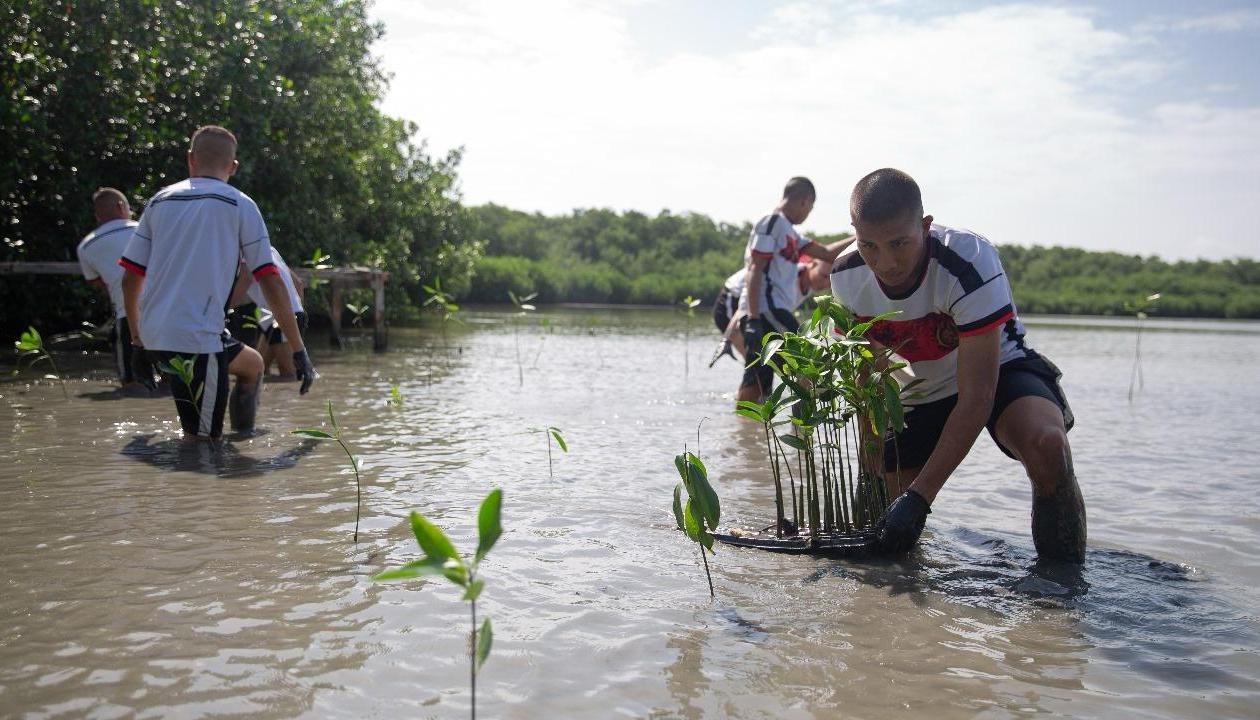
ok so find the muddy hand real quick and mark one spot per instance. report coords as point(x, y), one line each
point(303, 370)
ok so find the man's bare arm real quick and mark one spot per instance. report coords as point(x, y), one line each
point(978, 357)
point(827, 252)
point(756, 269)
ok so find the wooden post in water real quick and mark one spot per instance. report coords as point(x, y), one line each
point(334, 314)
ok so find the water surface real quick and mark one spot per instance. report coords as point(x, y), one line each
point(145, 578)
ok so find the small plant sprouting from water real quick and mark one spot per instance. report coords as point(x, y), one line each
point(552, 433)
point(395, 396)
point(689, 304)
point(357, 312)
point(441, 558)
point(318, 261)
point(318, 434)
point(1140, 312)
point(31, 344)
point(182, 368)
point(699, 513)
point(523, 307)
point(444, 302)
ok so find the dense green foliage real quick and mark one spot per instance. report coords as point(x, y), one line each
point(603, 256)
point(107, 93)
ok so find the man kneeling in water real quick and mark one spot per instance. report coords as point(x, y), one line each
point(957, 328)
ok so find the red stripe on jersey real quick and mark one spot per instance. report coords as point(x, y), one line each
point(930, 337)
point(266, 269)
point(130, 266)
point(989, 326)
point(758, 253)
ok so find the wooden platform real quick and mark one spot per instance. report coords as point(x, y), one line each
point(339, 278)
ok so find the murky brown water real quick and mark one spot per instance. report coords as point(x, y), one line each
point(142, 579)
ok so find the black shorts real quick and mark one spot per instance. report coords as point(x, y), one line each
point(275, 336)
point(202, 400)
point(755, 373)
point(122, 351)
point(724, 309)
point(1034, 375)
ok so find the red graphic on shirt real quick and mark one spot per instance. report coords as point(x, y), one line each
point(791, 251)
point(930, 337)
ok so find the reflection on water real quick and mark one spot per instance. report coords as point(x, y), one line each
point(145, 575)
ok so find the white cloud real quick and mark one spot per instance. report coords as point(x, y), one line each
point(1009, 117)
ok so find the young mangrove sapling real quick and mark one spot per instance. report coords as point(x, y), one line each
point(318, 434)
point(552, 432)
point(31, 344)
point(443, 301)
point(523, 307)
point(699, 513)
point(441, 558)
point(1139, 310)
point(689, 304)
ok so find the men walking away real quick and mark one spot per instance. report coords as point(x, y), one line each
point(98, 257)
point(181, 265)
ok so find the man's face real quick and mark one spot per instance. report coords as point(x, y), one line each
point(894, 250)
point(798, 210)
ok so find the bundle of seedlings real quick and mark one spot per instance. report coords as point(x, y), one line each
point(824, 424)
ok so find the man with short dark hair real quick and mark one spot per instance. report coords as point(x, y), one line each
point(774, 247)
point(98, 254)
point(181, 265)
point(958, 329)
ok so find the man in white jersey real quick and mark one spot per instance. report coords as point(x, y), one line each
point(272, 344)
point(181, 265)
point(958, 329)
point(774, 248)
point(98, 257)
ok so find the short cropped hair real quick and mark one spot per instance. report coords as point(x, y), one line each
point(884, 195)
point(105, 198)
point(214, 145)
point(799, 188)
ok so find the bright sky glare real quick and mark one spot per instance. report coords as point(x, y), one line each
point(1132, 127)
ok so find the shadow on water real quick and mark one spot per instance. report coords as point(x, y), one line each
point(221, 458)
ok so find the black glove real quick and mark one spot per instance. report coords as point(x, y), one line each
point(754, 330)
point(303, 370)
point(899, 530)
point(142, 367)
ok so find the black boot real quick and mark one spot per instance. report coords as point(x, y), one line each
point(243, 406)
point(1058, 524)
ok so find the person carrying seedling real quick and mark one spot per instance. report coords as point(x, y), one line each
point(180, 266)
point(770, 286)
point(958, 329)
point(98, 258)
point(812, 274)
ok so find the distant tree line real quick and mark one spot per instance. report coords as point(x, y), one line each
point(107, 93)
point(606, 257)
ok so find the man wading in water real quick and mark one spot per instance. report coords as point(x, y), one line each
point(958, 329)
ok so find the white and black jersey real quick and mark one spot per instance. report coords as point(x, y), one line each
point(774, 238)
point(255, 292)
point(187, 247)
point(98, 258)
point(961, 291)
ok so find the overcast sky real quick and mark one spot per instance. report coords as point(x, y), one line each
point(1131, 126)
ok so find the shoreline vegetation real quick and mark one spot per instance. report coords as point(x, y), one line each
point(341, 182)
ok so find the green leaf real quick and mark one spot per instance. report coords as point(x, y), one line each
point(312, 433)
point(691, 520)
point(680, 464)
point(678, 511)
point(710, 506)
point(431, 539)
point(415, 568)
point(706, 540)
point(793, 441)
point(489, 527)
point(485, 638)
point(769, 349)
point(555, 433)
point(751, 414)
point(473, 590)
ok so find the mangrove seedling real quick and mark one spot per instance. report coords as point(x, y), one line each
point(523, 307)
point(689, 304)
point(318, 434)
point(395, 396)
point(544, 324)
point(318, 261)
point(555, 433)
point(440, 558)
point(444, 302)
point(1139, 310)
point(182, 367)
point(699, 513)
point(357, 312)
point(31, 344)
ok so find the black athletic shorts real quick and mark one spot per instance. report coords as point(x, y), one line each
point(776, 321)
point(275, 336)
point(1018, 378)
point(122, 351)
point(202, 402)
point(724, 309)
